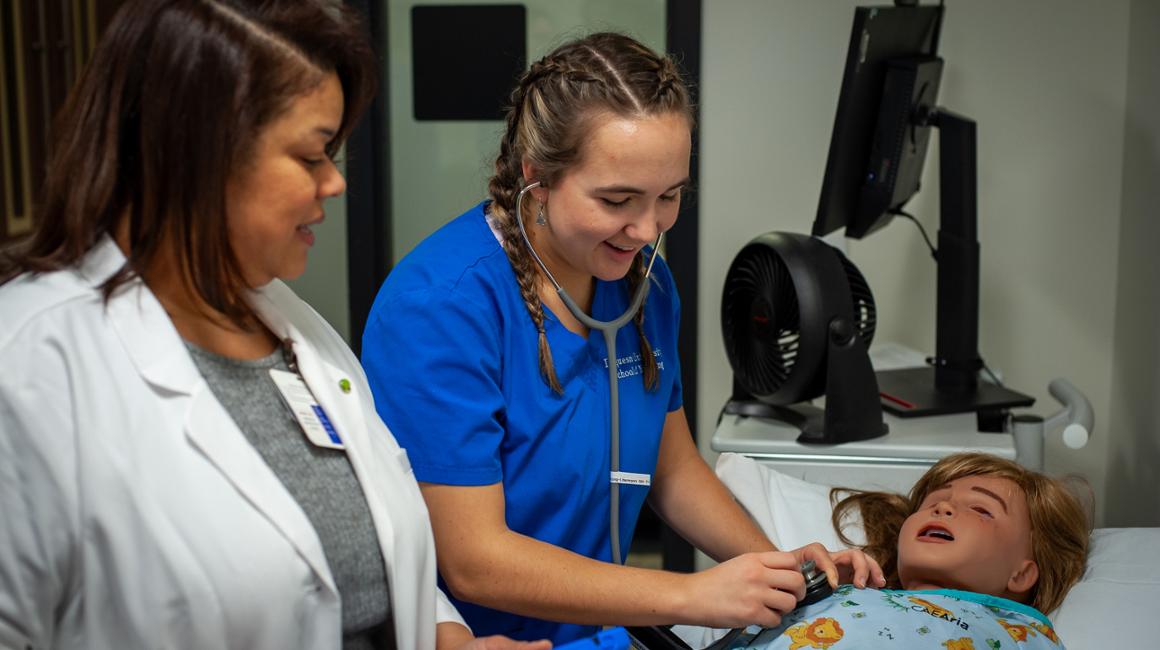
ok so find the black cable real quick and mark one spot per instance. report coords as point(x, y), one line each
point(921, 229)
point(934, 254)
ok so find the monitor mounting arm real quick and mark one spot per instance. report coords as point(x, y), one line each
point(956, 359)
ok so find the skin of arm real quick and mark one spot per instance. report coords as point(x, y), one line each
point(693, 501)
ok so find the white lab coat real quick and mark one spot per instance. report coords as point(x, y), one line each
point(133, 511)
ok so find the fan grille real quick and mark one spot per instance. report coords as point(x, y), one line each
point(865, 315)
point(760, 301)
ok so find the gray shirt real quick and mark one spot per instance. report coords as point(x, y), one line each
point(321, 480)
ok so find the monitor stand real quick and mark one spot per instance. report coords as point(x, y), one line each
point(951, 385)
point(911, 392)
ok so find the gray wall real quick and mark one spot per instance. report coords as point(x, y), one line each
point(1133, 498)
point(1048, 83)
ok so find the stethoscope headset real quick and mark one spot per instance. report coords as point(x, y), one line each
point(609, 330)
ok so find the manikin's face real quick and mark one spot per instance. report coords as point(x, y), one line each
point(972, 534)
point(625, 190)
point(277, 196)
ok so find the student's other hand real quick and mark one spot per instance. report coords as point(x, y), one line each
point(847, 566)
point(750, 589)
point(503, 643)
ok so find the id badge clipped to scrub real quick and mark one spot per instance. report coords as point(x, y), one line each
point(306, 409)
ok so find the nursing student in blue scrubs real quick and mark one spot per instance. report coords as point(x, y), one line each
point(500, 395)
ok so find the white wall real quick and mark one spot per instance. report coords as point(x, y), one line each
point(1133, 498)
point(1046, 80)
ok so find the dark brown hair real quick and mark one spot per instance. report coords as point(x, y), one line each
point(1059, 523)
point(553, 108)
point(170, 106)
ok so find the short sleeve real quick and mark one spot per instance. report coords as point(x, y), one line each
point(433, 362)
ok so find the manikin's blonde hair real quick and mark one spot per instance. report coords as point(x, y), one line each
point(1059, 523)
point(553, 109)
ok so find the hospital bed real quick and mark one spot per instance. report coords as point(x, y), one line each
point(1117, 594)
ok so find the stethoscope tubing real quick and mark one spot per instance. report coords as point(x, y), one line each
point(609, 330)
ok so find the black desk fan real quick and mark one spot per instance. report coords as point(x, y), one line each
point(798, 317)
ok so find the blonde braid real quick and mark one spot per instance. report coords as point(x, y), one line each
point(504, 188)
point(551, 112)
point(527, 274)
point(670, 83)
point(648, 362)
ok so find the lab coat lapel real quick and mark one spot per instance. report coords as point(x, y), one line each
point(148, 335)
point(159, 355)
point(210, 428)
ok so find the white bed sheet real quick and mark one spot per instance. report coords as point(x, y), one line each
point(1119, 591)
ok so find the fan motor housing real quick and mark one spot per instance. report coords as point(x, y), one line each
point(798, 317)
point(776, 283)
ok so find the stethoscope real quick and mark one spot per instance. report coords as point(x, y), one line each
point(609, 329)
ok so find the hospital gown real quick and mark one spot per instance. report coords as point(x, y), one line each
point(851, 619)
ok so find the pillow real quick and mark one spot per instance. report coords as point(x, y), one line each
point(1120, 586)
point(792, 512)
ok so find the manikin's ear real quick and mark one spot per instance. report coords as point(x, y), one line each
point(1024, 578)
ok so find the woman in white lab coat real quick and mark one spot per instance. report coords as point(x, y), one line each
point(189, 455)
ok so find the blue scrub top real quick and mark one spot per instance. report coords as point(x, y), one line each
point(452, 357)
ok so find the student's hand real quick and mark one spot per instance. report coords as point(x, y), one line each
point(504, 643)
point(750, 589)
point(847, 566)
point(456, 636)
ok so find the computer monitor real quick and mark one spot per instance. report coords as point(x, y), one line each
point(886, 109)
point(878, 147)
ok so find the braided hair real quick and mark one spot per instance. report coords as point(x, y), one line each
point(553, 107)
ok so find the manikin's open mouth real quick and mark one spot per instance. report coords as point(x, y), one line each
point(936, 532)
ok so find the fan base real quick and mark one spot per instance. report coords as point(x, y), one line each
point(808, 419)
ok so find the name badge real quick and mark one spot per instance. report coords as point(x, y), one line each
point(630, 478)
point(306, 409)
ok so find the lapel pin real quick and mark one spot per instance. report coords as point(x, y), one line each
point(344, 385)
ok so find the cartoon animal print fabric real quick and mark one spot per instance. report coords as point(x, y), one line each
point(853, 619)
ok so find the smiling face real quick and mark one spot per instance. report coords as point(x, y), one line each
point(972, 534)
point(625, 190)
point(279, 192)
